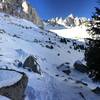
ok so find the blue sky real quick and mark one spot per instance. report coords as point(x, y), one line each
point(61, 8)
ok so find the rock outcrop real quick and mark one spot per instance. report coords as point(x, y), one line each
point(31, 63)
point(96, 90)
point(14, 91)
point(22, 9)
point(70, 20)
point(65, 68)
point(80, 67)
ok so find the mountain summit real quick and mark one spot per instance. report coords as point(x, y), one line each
point(22, 9)
point(70, 20)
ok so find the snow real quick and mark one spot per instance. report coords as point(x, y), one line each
point(20, 38)
point(71, 15)
point(3, 98)
point(8, 78)
point(78, 32)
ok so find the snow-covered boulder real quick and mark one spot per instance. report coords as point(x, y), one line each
point(13, 84)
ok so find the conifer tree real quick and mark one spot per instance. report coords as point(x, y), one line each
point(92, 54)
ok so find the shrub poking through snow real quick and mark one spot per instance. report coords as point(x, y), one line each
point(50, 47)
point(63, 40)
point(58, 54)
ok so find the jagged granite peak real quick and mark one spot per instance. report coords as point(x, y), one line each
point(71, 16)
point(70, 20)
point(22, 9)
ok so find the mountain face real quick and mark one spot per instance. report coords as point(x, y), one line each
point(49, 62)
point(22, 9)
point(55, 56)
point(70, 20)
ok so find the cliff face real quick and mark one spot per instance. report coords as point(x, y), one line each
point(22, 9)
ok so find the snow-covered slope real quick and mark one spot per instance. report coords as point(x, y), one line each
point(8, 78)
point(3, 98)
point(76, 32)
point(20, 38)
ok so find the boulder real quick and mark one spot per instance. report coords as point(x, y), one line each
point(65, 68)
point(96, 90)
point(20, 64)
point(31, 63)
point(67, 71)
point(80, 67)
point(13, 84)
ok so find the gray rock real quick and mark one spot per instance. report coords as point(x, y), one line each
point(65, 67)
point(67, 71)
point(31, 63)
point(96, 90)
point(80, 67)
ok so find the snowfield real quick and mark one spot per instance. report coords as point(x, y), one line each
point(8, 78)
point(20, 38)
point(77, 32)
point(4, 98)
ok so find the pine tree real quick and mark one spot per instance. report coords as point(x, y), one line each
point(92, 54)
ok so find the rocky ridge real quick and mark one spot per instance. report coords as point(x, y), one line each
point(70, 20)
point(22, 9)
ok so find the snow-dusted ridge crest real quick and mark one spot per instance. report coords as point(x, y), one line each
point(22, 9)
point(70, 20)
